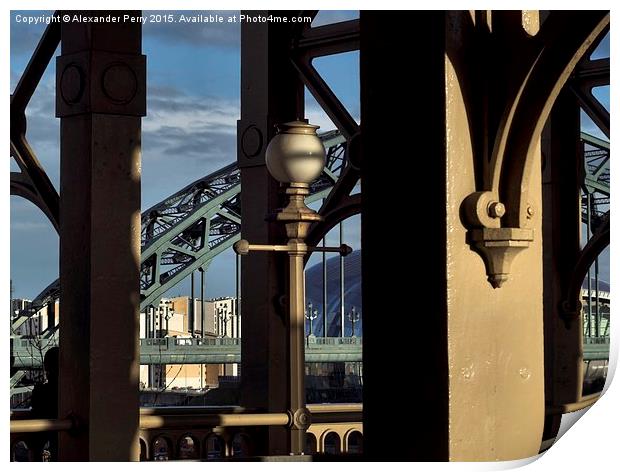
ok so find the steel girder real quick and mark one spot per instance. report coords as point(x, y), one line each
point(307, 44)
point(596, 180)
point(33, 183)
point(228, 351)
point(595, 187)
point(589, 74)
point(187, 230)
point(204, 351)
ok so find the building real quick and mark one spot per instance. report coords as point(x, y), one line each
point(174, 318)
point(37, 323)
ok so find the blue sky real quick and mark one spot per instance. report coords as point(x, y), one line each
point(193, 80)
point(193, 105)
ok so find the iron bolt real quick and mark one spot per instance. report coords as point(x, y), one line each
point(496, 209)
point(530, 211)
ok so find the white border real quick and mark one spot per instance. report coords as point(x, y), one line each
point(591, 444)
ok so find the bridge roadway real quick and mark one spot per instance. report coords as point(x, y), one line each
point(28, 353)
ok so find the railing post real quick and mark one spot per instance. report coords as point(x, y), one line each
point(100, 98)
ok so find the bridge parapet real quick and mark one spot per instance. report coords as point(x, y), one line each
point(211, 433)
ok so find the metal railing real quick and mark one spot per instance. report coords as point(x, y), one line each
point(333, 341)
point(169, 342)
point(171, 350)
point(195, 433)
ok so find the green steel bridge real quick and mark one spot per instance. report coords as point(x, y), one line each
point(171, 350)
point(187, 230)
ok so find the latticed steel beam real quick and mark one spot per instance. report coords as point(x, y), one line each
point(187, 230)
point(589, 74)
point(309, 43)
point(596, 180)
point(206, 351)
point(330, 39)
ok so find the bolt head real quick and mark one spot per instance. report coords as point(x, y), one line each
point(496, 209)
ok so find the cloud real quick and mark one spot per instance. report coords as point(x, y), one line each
point(190, 127)
point(173, 108)
point(24, 36)
point(185, 137)
point(28, 226)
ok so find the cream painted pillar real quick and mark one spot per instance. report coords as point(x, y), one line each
point(495, 335)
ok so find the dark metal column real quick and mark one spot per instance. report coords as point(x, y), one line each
point(561, 233)
point(237, 308)
point(100, 97)
point(191, 308)
point(341, 262)
point(386, 38)
point(270, 93)
point(51, 315)
point(597, 313)
point(589, 282)
point(147, 322)
point(202, 302)
point(324, 262)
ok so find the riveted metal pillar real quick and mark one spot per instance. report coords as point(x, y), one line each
point(100, 97)
point(271, 93)
point(562, 169)
point(482, 394)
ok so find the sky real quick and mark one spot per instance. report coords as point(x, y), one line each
point(193, 104)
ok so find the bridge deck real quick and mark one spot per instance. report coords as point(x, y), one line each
point(203, 351)
point(228, 351)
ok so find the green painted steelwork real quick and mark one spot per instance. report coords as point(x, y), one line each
point(202, 351)
point(187, 230)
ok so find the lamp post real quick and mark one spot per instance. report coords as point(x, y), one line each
point(295, 157)
point(311, 315)
point(168, 313)
point(223, 316)
point(354, 317)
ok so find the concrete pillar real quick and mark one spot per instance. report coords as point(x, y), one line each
point(475, 352)
point(101, 95)
point(271, 93)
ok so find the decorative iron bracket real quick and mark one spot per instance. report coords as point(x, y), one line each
point(498, 247)
point(500, 216)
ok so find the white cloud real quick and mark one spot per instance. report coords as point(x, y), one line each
point(28, 226)
point(192, 114)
